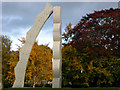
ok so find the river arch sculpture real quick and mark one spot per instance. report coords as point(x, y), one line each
point(31, 36)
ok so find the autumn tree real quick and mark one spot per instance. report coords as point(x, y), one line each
point(6, 46)
point(72, 66)
point(96, 41)
point(82, 71)
point(67, 36)
point(100, 31)
point(39, 64)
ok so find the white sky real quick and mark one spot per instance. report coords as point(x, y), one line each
point(18, 18)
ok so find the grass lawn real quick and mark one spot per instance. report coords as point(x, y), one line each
point(96, 88)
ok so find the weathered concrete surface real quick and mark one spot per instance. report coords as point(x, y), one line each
point(32, 34)
point(57, 34)
point(0, 62)
point(57, 56)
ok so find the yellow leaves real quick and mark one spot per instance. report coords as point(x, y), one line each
point(50, 78)
point(40, 59)
point(39, 63)
point(81, 69)
point(90, 66)
point(91, 62)
point(105, 72)
point(74, 62)
point(100, 64)
point(98, 69)
point(68, 48)
point(76, 77)
point(77, 65)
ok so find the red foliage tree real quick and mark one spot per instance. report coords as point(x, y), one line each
point(100, 31)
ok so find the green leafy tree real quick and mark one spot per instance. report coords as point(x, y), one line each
point(74, 67)
point(96, 41)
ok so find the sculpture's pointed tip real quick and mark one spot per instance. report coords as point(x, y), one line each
point(48, 4)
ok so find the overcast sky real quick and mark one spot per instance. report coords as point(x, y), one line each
point(18, 18)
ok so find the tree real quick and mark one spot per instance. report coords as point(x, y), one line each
point(6, 45)
point(100, 31)
point(85, 71)
point(67, 36)
point(92, 47)
point(12, 62)
point(39, 65)
point(73, 67)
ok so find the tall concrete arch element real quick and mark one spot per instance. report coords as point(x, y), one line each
point(31, 35)
point(57, 57)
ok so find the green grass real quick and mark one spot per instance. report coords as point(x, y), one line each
point(96, 88)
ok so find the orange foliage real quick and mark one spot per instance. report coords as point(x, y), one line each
point(39, 64)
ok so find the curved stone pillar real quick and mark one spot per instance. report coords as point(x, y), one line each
point(20, 68)
point(57, 56)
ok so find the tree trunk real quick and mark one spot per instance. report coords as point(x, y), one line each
point(43, 85)
point(34, 85)
point(34, 82)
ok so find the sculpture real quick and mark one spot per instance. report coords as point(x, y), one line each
point(30, 39)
